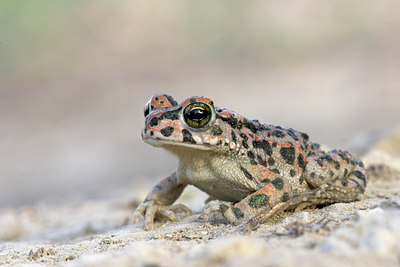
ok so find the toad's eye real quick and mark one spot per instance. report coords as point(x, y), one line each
point(197, 115)
point(147, 109)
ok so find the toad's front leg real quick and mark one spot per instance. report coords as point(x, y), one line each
point(158, 203)
point(262, 201)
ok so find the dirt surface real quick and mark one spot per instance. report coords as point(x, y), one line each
point(99, 233)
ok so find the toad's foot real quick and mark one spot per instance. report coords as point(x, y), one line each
point(223, 211)
point(153, 212)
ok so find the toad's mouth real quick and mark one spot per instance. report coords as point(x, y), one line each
point(172, 145)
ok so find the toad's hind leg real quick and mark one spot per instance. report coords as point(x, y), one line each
point(326, 194)
point(337, 174)
point(332, 177)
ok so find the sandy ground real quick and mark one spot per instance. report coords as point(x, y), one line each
point(99, 233)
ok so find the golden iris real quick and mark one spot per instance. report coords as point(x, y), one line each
point(197, 115)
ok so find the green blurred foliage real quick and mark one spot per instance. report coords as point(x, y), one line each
point(53, 35)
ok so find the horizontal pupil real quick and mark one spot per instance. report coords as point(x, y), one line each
point(197, 114)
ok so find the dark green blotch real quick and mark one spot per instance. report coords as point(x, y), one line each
point(337, 165)
point(244, 141)
point(262, 127)
point(261, 161)
point(258, 200)
point(278, 134)
point(344, 182)
point(232, 121)
point(328, 158)
point(167, 131)
point(278, 183)
point(288, 154)
point(292, 173)
point(171, 100)
point(171, 115)
point(304, 136)
point(238, 213)
point(343, 155)
point(271, 161)
point(246, 173)
point(245, 145)
point(250, 154)
point(239, 124)
point(319, 161)
point(301, 162)
point(233, 136)
point(263, 144)
point(275, 171)
point(223, 208)
point(266, 180)
point(301, 180)
point(292, 134)
point(250, 125)
point(362, 189)
point(154, 122)
point(360, 176)
point(187, 137)
point(285, 197)
point(216, 130)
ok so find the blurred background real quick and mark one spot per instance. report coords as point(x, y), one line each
point(75, 76)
